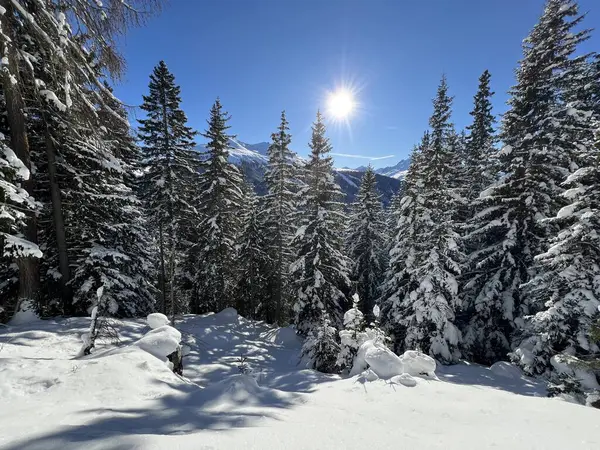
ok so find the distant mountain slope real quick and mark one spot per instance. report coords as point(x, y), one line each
point(252, 160)
point(398, 171)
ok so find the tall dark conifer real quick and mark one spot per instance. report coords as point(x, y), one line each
point(220, 204)
point(278, 225)
point(169, 167)
point(320, 270)
point(366, 244)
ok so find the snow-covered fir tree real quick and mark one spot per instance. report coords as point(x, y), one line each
point(366, 244)
point(354, 324)
point(53, 86)
point(320, 270)
point(479, 147)
point(253, 261)
point(401, 255)
point(278, 226)
point(569, 277)
point(421, 292)
point(509, 228)
point(170, 168)
point(220, 205)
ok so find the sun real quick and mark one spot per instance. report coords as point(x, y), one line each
point(340, 104)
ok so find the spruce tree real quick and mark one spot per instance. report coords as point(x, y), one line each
point(479, 166)
point(423, 295)
point(366, 243)
point(568, 279)
point(170, 167)
point(402, 252)
point(511, 226)
point(278, 226)
point(253, 262)
point(219, 204)
point(320, 270)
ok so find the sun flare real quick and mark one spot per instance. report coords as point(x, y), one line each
point(341, 104)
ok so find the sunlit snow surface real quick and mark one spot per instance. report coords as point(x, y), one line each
point(125, 398)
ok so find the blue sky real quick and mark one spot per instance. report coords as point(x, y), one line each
point(262, 56)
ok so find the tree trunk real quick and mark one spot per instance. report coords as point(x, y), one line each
point(163, 274)
point(172, 282)
point(59, 224)
point(29, 272)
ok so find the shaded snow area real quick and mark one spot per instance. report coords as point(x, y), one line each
point(243, 388)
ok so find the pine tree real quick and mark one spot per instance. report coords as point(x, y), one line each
point(219, 204)
point(319, 272)
point(510, 227)
point(50, 85)
point(278, 226)
point(479, 167)
point(422, 289)
point(366, 243)
point(170, 167)
point(568, 279)
point(253, 262)
point(402, 252)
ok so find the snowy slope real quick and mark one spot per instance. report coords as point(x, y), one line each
point(397, 171)
point(125, 398)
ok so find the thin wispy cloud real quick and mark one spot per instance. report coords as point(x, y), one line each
point(370, 158)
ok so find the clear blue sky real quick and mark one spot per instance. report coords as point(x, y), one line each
point(262, 56)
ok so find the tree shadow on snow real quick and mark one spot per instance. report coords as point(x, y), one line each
point(188, 409)
point(476, 375)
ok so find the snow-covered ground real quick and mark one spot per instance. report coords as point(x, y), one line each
point(125, 398)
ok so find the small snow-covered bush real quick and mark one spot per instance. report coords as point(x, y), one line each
point(354, 335)
point(350, 336)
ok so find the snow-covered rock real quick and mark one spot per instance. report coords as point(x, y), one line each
point(506, 370)
point(160, 342)
point(383, 361)
point(417, 363)
point(378, 358)
point(157, 320)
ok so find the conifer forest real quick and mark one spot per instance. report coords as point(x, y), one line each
point(488, 251)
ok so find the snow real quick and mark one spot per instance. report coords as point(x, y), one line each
point(228, 315)
point(507, 370)
point(160, 342)
point(287, 337)
point(157, 320)
point(417, 363)
point(571, 366)
point(126, 398)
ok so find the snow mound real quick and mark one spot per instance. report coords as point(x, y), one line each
point(228, 315)
point(382, 361)
point(157, 320)
point(376, 357)
point(238, 386)
point(287, 337)
point(404, 379)
point(417, 363)
point(506, 370)
point(160, 342)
